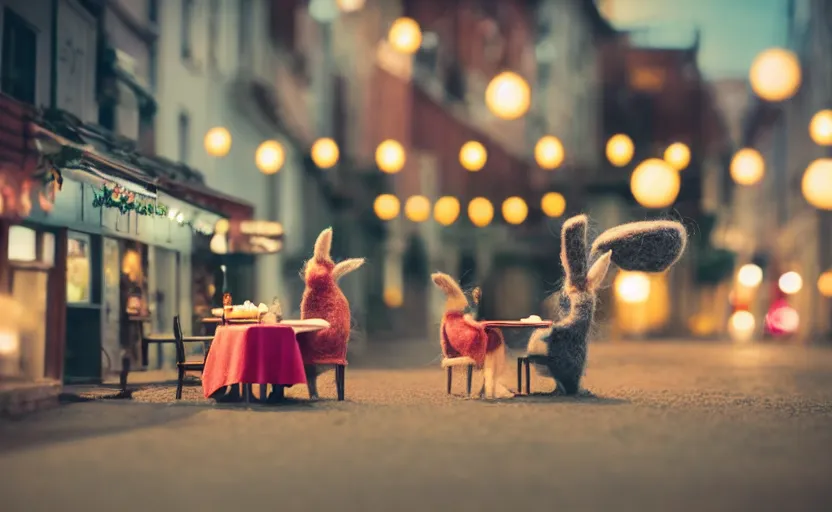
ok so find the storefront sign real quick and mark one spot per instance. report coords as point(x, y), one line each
point(247, 237)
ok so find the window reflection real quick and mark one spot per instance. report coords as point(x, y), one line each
point(78, 269)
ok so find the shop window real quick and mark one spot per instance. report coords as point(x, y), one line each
point(47, 249)
point(78, 269)
point(23, 244)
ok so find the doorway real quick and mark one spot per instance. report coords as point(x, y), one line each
point(29, 287)
point(165, 301)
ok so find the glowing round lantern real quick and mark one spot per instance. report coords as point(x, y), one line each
point(553, 204)
point(472, 156)
point(747, 166)
point(825, 284)
point(390, 156)
point(775, 74)
point(350, 5)
point(677, 155)
point(820, 128)
point(325, 153)
point(405, 35)
point(446, 210)
point(548, 152)
point(417, 208)
point(632, 287)
point(480, 211)
point(393, 297)
point(515, 210)
point(750, 275)
point(790, 283)
point(269, 157)
point(386, 206)
point(217, 141)
point(817, 184)
point(620, 150)
point(508, 96)
point(655, 184)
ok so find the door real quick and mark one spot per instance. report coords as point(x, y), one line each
point(165, 302)
point(29, 287)
point(111, 306)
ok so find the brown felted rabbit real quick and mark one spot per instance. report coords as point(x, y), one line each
point(322, 298)
point(650, 246)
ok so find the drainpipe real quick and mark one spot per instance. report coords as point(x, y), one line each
point(53, 86)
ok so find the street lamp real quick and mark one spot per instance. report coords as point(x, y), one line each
point(390, 156)
point(620, 150)
point(472, 156)
point(750, 275)
point(386, 206)
point(515, 210)
point(825, 284)
point(632, 287)
point(217, 141)
point(446, 210)
point(480, 211)
point(393, 297)
point(790, 283)
point(325, 153)
point(269, 157)
point(548, 152)
point(553, 204)
point(677, 155)
point(817, 184)
point(417, 208)
point(820, 128)
point(405, 36)
point(655, 184)
point(747, 166)
point(775, 74)
point(508, 96)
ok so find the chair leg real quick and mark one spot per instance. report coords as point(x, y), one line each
point(449, 379)
point(528, 376)
point(520, 375)
point(180, 381)
point(470, 378)
point(340, 374)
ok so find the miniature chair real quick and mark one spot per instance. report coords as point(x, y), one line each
point(182, 364)
point(524, 362)
point(450, 362)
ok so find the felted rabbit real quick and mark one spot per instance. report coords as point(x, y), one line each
point(462, 336)
point(648, 246)
point(322, 298)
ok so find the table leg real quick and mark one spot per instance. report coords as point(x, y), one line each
point(247, 393)
point(278, 393)
point(264, 395)
point(527, 364)
point(519, 375)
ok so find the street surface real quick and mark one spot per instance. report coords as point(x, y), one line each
point(673, 427)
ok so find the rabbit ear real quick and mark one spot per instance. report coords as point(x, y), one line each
point(649, 246)
point(345, 267)
point(476, 295)
point(456, 298)
point(573, 250)
point(323, 245)
point(598, 271)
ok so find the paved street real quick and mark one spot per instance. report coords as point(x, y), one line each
point(672, 427)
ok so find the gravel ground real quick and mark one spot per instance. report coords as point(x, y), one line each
point(670, 427)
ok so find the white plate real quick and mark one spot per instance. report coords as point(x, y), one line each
point(308, 325)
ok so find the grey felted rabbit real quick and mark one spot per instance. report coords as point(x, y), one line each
point(648, 246)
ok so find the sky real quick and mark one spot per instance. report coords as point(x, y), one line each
point(733, 31)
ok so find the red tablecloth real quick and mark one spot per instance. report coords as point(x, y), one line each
point(253, 354)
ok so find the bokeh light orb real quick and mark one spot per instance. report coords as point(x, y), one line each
point(325, 153)
point(677, 155)
point(217, 141)
point(820, 128)
point(741, 325)
point(632, 287)
point(817, 184)
point(405, 36)
point(393, 297)
point(553, 204)
point(655, 184)
point(747, 167)
point(620, 150)
point(386, 206)
point(775, 74)
point(825, 283)
point(515, 210)
point(390, 156)
point(750, 275)
point(508, 96)
point(472, 156)
point(480, 211)
point(269, 157)
point(548, 152)
point(417, 208)
point(350, 5)
point(446, 210)
point(790, 283)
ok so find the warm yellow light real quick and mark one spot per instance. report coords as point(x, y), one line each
point(790, 283)
point(393, 297)
point(472, 156)
point(480, 211)
point(417, 208)
point(825, 284)
point(350, 5)
point(405, 35)
point(222, 226)
point(817, 184)
point(620, 150)
point(775, 74)
point(632, 287)
point(750, 275)
point(508, 96)
point(390, 156)
point(548, 152)
point(553, 204)
point(325, 153)
point(446, 210)
point(741, 325)
point(218, 141)
point(269, 157)
point(515, 210)
point(677, 155)
point(820, 128)
point(655, 184)
point(386, 206)
point(747, 166)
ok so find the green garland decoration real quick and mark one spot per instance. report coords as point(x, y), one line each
point(126, 201)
